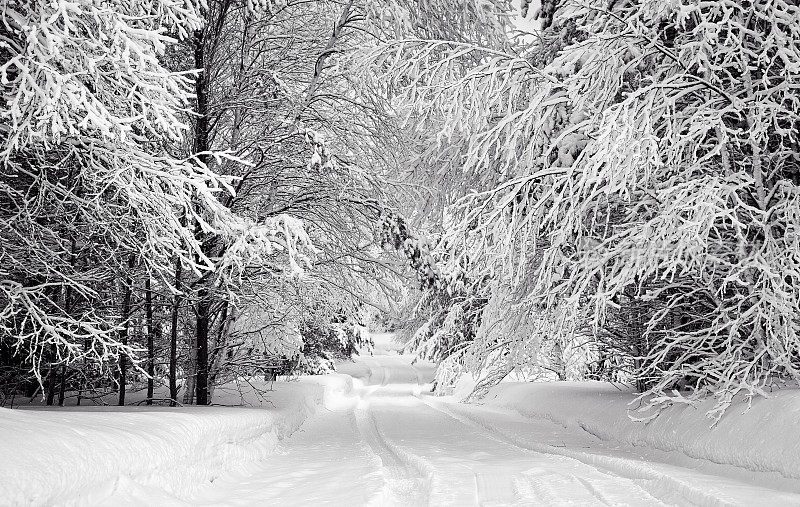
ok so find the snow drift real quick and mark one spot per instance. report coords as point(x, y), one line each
point(763, 438)
point(88, 454)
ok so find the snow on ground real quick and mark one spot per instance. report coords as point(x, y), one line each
point(588, 422)
point(762, 438)
point(146, 455)
point(393, 443)
point(374, 435)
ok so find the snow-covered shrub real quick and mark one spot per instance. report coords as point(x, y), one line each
point(316, 365)
point(332, 340)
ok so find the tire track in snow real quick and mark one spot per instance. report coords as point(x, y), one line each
point(547, 487)
point(491, 488)
point(374, 368)
point(540, 483)
point(654, 483)
point(416, 375)
point(407, 478)
point(386, 376)
point(495, 488)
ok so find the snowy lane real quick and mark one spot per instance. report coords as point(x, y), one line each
point(325, 459)
point(391, 443)
point(405, 482)
point(469, 466)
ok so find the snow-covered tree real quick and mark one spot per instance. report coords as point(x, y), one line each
point(316, 146)
point(636, 166)
point(88, 188)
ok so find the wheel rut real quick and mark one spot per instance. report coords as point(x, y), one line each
point(646, 480)
point(498, 469)
point(406, 477)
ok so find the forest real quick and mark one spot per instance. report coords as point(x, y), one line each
point(198, 192)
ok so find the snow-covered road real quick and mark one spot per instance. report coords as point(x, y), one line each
point(392, 443)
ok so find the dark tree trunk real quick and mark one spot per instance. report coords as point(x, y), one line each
point(126, 313)
point(203, 322)
point(201, 146)
point(53, 372)
point(151, 332)
point(173, 339)
point(51, 378)
point(68, 311)
point(217, 355)
point(200, 89)
point(62, 389)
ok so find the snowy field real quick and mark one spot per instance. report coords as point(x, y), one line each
point(373, 435)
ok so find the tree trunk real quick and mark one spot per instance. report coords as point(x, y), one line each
point(220, 351)
point(151, 331)
point(62, 389)
point(51, 378)
point(68, 311)
point(201, 146)
point(203, 324)
point(191, 371)
point(126, 313)
point(173, 339)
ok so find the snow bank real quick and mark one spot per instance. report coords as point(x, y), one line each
point(765, 438)
point(84, 455)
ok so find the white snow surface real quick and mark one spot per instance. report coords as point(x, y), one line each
point(374, 435)
point(145, 455)
point(763, 436)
